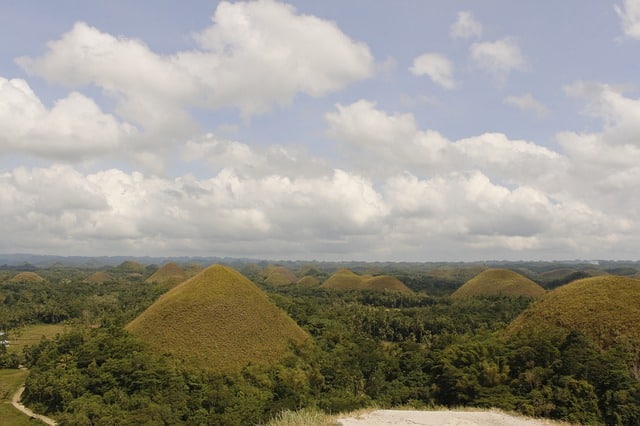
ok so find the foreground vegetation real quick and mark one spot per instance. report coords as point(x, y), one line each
point(367, 348)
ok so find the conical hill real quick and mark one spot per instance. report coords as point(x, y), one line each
point(169, 274)
point(499, 282)
point(217, 320)
point(130, 266)
point(604, 308)
point(345, 279)
point(98, 278)
point(27, 277)
point(279, 275)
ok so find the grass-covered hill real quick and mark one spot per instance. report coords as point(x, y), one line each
point(345, 279)
point(309, 281)
point(26, 277)
point(499, 282)
point(279, 275)
point(131, 267)
point(217, 320)
point(605, 308)
point(98, 278)
point(169, 274)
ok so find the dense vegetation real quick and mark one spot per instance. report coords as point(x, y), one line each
point(368, 347)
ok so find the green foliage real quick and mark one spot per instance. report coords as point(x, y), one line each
point(385, 349)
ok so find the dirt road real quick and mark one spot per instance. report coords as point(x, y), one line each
point(15, 401)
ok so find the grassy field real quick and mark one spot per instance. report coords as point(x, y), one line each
point(10, 381)
point(31, 334)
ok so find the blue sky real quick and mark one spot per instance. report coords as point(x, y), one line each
point(404, 130)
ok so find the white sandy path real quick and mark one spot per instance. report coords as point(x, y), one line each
point(441, 418)
point(15, 401)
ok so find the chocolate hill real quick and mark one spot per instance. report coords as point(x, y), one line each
point(499, 282)
point(26, 277)
point(218, 321)
point(345, 279)
point(98, 278)
point(605, 308)
point(169, 275)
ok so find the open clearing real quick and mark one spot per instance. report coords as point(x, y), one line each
point(441, 418)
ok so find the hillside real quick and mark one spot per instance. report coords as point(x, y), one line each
point(604, 308)
point(98, 278)
point(130, 266)
point(169, 274)
point(26, 277)
point(279, 275)
point(218, 320)
point(499, 282)
point(345, 279)
point(309, 281)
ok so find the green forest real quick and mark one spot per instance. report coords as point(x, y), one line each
point(420, 348)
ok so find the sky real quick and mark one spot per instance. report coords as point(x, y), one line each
point(402, 130)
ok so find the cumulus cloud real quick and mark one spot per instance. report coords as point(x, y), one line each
point(498, 57)
point(437, 67)
point(629, 14)
point(117, 206)
point(466, 26)
point(253, 55)
point(527, 102)
point(375, 138)
point(254, 162)
point(74, 128)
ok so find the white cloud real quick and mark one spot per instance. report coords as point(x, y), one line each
point(437, 67)
point(629, 15)
point(499, 57)
point(253, 162)
point(75, 128)
point(375, 137)
point(466, 26)
point(527, 102)
point(254, 54)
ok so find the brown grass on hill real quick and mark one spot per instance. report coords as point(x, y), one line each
point(309, 281)
point(169, 274)
point(499, 282)
point(279, 275)
point(26, 277)
point(131, 266)
point(604, 308)
point(345, 279)
point(98, 278)
point(218, 321)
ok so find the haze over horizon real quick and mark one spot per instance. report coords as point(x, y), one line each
point(392, 131)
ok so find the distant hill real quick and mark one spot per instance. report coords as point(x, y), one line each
point(309, 281)
point(279, 275)
point(345, 279)
point(131, 267)
point(499, 282)
point(26, 277)
point(98, 278)
point(606, 308)
point(169, 275)
point(218, 320)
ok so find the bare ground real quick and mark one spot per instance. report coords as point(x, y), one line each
point(441, 418)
